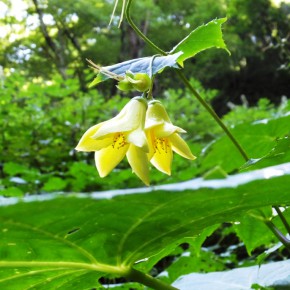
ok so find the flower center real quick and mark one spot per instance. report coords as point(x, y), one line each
point(161, 144)
point(119, 141)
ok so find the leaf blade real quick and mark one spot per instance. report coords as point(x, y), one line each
point(138, 65)
point(84, 232)
point(205, 36)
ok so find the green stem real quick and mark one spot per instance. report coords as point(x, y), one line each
point(138, 31)
point(213, 114)
point(149, 281)
point(187, 83)
point(281, 216)
point(278, 234)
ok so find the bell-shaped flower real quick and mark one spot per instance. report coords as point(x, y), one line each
point(122, 135)
point(163, 138)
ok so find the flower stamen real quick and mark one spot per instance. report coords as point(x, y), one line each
point(119, 141)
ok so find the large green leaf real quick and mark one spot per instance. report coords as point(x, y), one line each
point(150, 65)
point(69, 240)
point(204, 37)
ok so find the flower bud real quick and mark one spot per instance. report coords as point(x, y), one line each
point(142, 82)
point(125, 85)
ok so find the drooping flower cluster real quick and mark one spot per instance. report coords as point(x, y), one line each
point(143, 132)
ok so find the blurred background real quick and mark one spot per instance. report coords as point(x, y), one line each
point(46, 105)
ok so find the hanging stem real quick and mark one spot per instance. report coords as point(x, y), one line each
point(281, 216)
point(278, 234)
point(139, 32)
point(213, 114)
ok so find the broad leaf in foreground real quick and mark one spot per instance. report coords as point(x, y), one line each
point(74, 240)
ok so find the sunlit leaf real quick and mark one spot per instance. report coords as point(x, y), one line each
point(204, 37)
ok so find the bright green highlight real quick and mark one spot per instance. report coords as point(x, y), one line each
point(205, 36)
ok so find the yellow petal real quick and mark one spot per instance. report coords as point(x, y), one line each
point(155, 115)
point(130, 118)
point(87, 143)
point(108, 158)
point(162, 157)
point(167, 129)
point(138, 160)
point(150, 138)
point(138, 138)
point(180, 147)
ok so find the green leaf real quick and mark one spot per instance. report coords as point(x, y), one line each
point(12, 168)
point(204, 37)
point(257, 139)
point(49, 241)
point(279, 154)
point(253, 231)
point(11, 191)
point(148, 65)
point(206, 261)
point(54, 183)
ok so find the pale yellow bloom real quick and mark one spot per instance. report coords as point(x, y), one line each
point(122, 135)
point(163, 138)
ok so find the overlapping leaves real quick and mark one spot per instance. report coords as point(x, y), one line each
point(204, 37)
point(78, 239)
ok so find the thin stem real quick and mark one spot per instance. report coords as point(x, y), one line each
point(278, 234)
point(213, 114)
point(281, 216)
point(138, 31)
point(149, 281)
point(187, 83)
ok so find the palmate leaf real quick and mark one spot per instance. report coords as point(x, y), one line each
point(65, 241)
point(204, 37)
point(151, 64)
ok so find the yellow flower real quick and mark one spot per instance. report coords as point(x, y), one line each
point(163, 137)
point(122, 135)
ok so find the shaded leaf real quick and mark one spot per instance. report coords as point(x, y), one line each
point(148, 65)
point(279, 154)
point(253, 231)
point(204, 37)
point(257, 139)
point(188, 263)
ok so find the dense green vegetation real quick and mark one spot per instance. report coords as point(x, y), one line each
point(46, 105)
